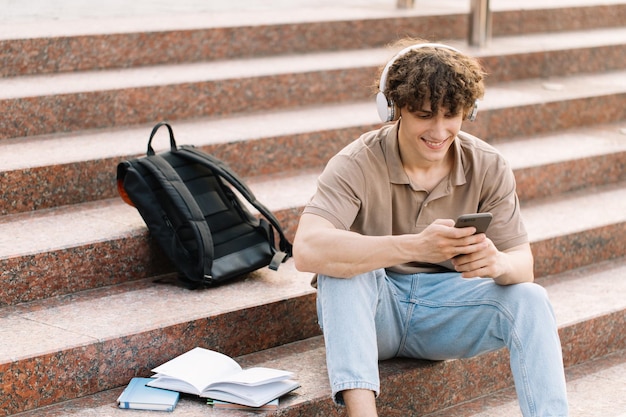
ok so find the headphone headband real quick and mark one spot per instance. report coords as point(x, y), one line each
point(386, 107)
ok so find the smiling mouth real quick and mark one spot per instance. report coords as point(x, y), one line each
point(435, 145)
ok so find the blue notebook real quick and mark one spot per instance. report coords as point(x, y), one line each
point(138, 396)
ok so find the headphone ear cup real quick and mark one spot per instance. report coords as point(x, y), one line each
point(471, 116)
point(395, 111)
point(385, 107)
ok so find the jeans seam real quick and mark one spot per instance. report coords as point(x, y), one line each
point(405, 333)
point(524, 371)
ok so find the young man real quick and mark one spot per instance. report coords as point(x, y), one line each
point(395, 278)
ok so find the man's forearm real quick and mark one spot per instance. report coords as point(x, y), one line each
point(343, 254)
point(518, 266)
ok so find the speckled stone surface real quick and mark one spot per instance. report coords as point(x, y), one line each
point(594, 389)
point(275, 93)
point(76, 345)
point(218, 39)
point(86, 100)
point(106, 242)
point(553, 19)
point(582, 306)
point(116, 108)
point(50, 177)
point(213, 36)
point(133, 49)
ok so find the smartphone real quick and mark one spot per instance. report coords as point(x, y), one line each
point(479, 220)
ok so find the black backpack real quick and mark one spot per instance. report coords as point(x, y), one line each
point(185, 199)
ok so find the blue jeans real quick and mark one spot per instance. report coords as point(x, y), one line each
point(381, 315)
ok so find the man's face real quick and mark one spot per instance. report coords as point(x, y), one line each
point(425, 136)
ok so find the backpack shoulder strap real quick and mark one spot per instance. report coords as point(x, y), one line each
point(184, 201)
point(224, 171)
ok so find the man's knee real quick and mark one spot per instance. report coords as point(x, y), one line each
point(531, 298)
point(532, 293)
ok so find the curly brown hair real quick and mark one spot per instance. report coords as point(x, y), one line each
point(442, 77)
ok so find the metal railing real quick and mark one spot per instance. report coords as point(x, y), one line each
point(405, 4)
point(479, 20)
point(479, 23)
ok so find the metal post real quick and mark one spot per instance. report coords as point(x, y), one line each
point(405, 4)
point(480, 23)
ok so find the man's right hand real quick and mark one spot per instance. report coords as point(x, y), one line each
point(441, 241)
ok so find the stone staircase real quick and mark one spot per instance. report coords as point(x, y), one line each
point(275, 94)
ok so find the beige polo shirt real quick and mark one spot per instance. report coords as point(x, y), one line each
point(364, 189)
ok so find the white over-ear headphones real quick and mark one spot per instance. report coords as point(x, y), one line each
point(387, 109)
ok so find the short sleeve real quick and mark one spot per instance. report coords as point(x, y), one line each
point(340, 189)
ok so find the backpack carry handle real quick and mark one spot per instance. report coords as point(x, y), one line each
point(173, 147)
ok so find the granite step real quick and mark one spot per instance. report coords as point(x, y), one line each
point(69, 102)
point(62, 169)
point(106, 242)
point(71, 346)
point(49, 45)
point(80, 313)
point(567, 160)
point(590, 311)
point(594, 389)
point(591, 392)
point(577, 229)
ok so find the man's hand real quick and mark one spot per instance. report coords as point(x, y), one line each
point(483, 262)
point(476, 255)
point(441, 241)
point(511, 266)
